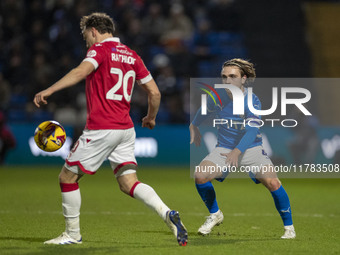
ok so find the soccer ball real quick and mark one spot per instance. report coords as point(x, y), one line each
point(50, 136)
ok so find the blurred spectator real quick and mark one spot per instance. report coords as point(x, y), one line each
point(202, 41)
point(13, 18)
point(16, 71)
point(35, 36)
point(123, 12)
point(166, 80)
point(154, 21)
point(135, 37)
point(42, 74)
point(7, 139)
point(224, 16)
point(176, 113)
point(178, 27)
point(5, 93)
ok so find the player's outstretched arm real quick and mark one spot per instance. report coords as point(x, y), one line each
point(73, 77)
point(154, 100)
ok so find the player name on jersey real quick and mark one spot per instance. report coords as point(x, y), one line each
point(123, 59)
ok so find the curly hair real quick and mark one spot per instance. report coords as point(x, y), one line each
point(98, 20)
point(245, 67)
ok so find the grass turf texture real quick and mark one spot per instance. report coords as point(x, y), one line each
point(113, 223)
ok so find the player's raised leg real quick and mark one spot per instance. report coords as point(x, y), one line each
point(130, 185)
point(71, 201)
point(207, 192)
point(281, 200)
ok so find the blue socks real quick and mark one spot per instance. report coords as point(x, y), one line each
point(282, 205)
point(208, 195)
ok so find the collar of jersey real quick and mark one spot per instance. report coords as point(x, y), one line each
point(111, 39)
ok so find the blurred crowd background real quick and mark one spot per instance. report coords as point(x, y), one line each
point(40, 41)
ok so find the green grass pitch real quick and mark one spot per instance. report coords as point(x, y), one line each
point(113, 223)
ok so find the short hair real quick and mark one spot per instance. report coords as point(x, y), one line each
point(98, 20)
point(245, 67)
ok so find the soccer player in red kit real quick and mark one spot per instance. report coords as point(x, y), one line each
point(110, 69)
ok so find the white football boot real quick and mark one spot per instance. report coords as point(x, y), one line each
point(176, 226)
point(64, 238)
point(289, 232)
point(212, 220)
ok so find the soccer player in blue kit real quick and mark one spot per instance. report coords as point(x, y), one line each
point(237, 145)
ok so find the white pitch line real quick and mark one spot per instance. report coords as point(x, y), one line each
point(239, 214)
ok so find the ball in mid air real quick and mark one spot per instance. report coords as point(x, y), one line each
point(50, 136)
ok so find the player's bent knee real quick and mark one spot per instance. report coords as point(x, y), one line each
point(275, 184)
point(124, 188)
point(203, 180)
point(126, 181)
point(206, 171)
point(200, 178)
point(271, 184)
point(66, 176)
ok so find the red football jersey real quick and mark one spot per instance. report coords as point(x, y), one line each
point(109, 87)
